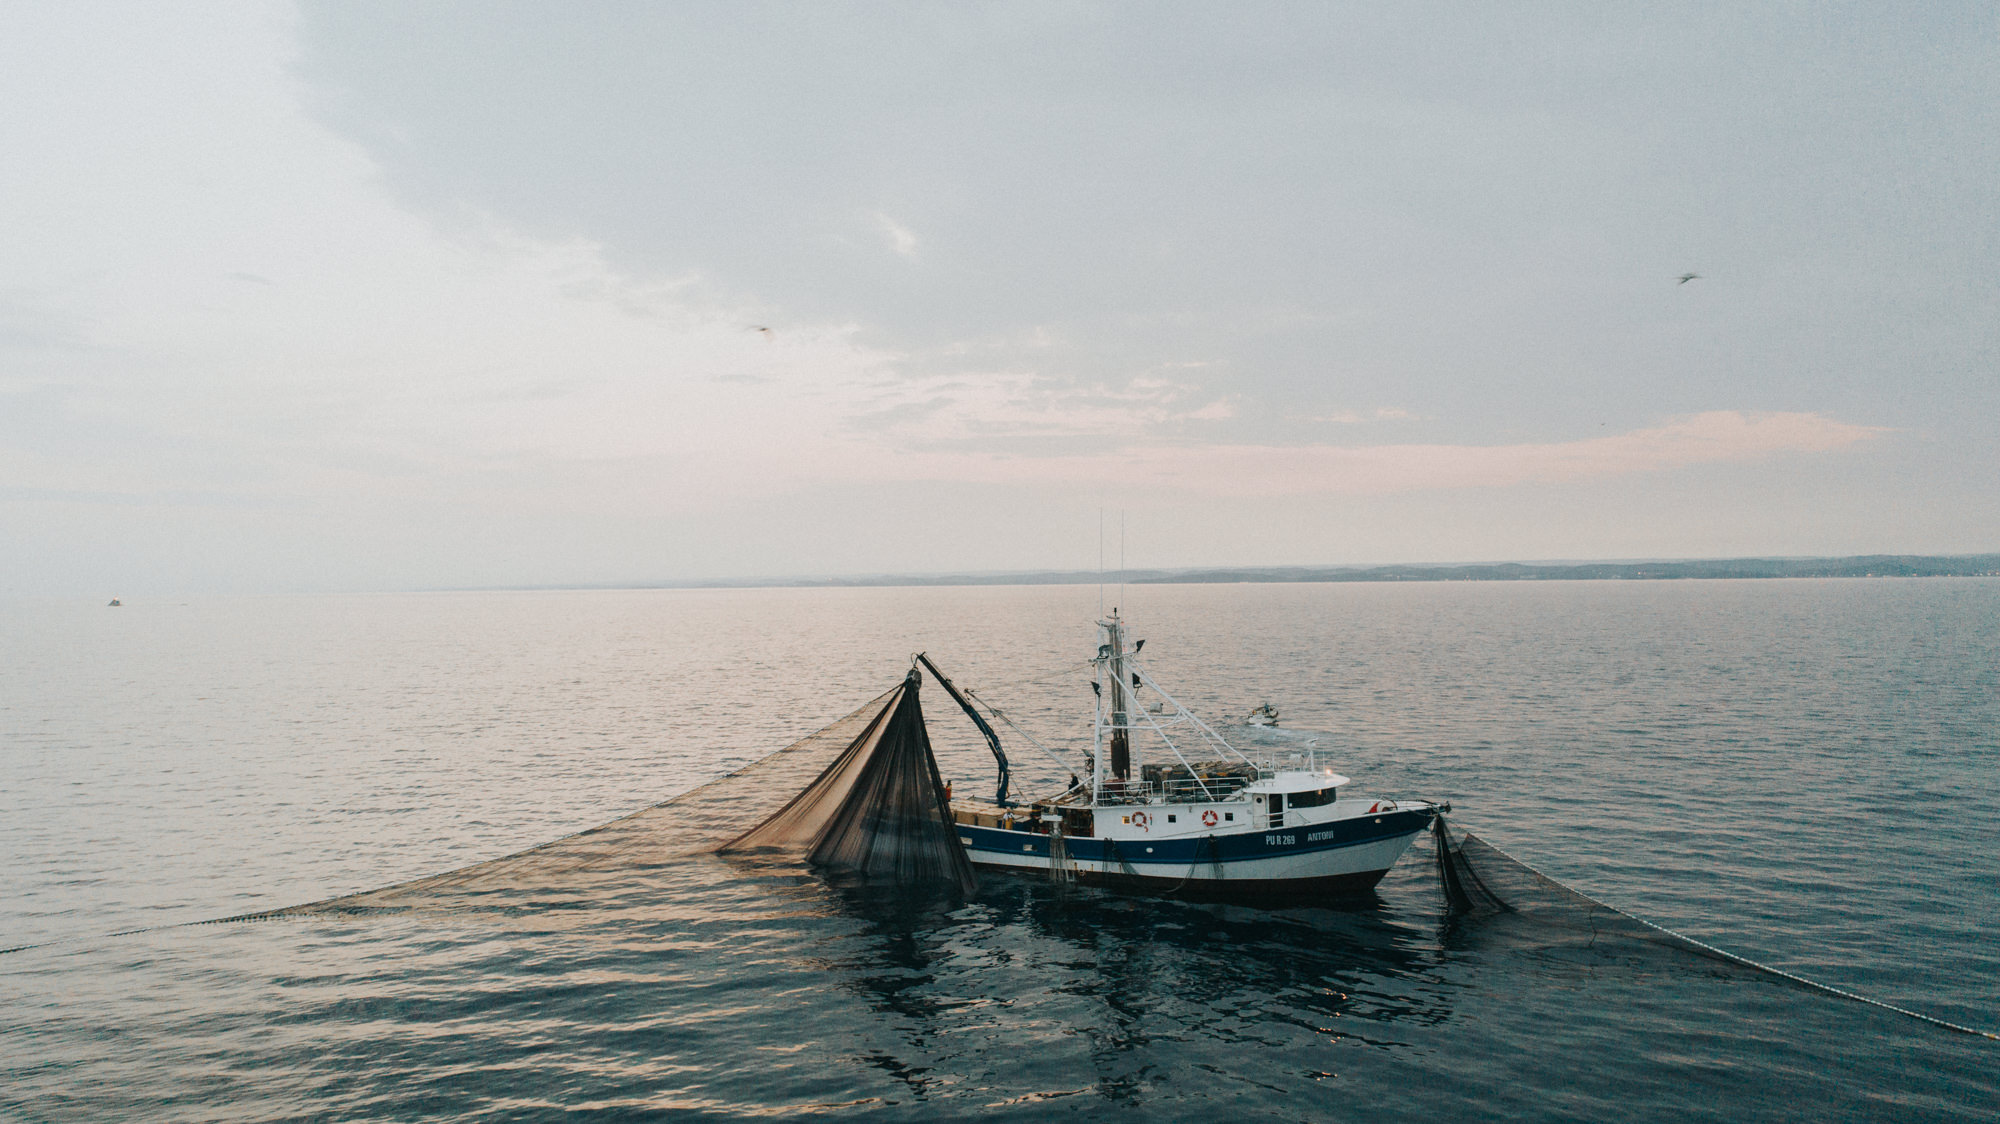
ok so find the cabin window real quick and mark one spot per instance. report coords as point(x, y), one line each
point(1230, 816)
point(1312, 799)
point(1173, 819)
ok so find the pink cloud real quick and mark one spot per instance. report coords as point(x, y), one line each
point(1717, 437)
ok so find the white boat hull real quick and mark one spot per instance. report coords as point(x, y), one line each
point(1297, 863)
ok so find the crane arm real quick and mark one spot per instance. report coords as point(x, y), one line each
point(965, 704)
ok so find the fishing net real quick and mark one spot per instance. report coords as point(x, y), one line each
point(1480, 879)
point(878, 811)
point(869, 776)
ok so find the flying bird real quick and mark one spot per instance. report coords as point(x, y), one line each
point(759, 328)
point(1687, 277)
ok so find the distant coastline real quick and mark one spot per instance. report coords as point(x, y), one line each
point(1856, 566)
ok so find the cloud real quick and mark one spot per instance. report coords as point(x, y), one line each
point(1716, 437)
point(950, 411)
point(303, 323)
point(484, 368)
point(901, 238)
point(1356, 417)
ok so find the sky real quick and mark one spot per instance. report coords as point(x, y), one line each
point(357, 296)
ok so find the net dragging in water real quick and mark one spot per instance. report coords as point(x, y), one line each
point(859, 796)
point(1479, 878)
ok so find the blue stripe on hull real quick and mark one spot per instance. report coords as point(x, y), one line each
point(1184, 850)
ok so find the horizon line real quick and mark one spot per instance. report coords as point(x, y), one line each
point(1983, 564)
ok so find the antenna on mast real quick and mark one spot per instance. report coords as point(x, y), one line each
point(1121, 556)
point(1100, 557)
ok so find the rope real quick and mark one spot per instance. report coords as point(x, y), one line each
point(1214, 858)
point(1124, 864)
point(1014, 726)
point(1745, 961)
point(1067, 670)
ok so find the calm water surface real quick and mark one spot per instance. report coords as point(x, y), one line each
point(1800, 771)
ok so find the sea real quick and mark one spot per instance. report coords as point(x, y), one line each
point(1801, 772)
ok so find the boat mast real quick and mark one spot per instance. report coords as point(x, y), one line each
point(1097, 777)
point(1115, 702)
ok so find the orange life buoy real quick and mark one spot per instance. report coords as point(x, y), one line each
point(1209, 817)
point(1139, 820)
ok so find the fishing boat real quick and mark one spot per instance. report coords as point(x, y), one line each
point(1169, 806)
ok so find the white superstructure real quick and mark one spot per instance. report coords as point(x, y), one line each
point(1170, 805)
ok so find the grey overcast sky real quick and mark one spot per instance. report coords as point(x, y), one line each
point(386, 295)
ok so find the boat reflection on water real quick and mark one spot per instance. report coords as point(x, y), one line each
point(744, 982)
point(1121, 970)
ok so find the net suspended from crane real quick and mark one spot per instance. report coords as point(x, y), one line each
point(878, 811)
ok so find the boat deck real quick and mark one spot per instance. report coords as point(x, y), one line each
point(971, 812)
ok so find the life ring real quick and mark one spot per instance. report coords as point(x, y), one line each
point(1209, 817)
point(1139, 820)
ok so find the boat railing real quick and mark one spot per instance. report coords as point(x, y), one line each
point(1126, 792)
point(1290, 761)
point(1193, 790)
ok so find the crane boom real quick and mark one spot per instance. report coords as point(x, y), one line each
point(992, 739)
